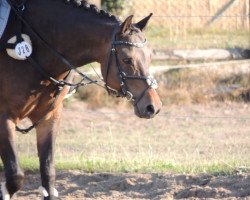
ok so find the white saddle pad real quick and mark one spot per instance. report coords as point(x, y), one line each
point(4, 15)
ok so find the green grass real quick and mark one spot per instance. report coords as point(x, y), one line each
point(149, 166)
point(104, 141)
point(164, 38)
point(142, 166)
point(101, 142)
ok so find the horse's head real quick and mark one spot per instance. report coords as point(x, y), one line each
point(127, 72)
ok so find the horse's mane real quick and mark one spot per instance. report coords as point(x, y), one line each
point(92, 8)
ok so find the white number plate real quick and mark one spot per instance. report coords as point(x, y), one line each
point(23, 50)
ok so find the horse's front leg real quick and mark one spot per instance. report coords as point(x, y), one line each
point(13, 173)
point(46, 134)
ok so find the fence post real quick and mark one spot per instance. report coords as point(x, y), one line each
point(248, 10)
point(220, 12)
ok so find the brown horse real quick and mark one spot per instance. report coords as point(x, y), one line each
point(30, 88)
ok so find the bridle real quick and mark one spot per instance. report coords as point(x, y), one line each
point(124, 90)
point(18, 9)
point(59, 84)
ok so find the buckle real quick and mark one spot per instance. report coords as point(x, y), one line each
point(113, 92)
point(21, 8)
point(129, 96)
point(152, 82)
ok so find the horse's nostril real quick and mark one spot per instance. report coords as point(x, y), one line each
point(150, 110)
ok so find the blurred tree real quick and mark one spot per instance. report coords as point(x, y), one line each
point(114, 6)
point(96, 2)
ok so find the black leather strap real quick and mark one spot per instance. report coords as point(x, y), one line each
point(18, 9)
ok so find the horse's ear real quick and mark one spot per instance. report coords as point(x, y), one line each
point(126, 24)
point(143, 23)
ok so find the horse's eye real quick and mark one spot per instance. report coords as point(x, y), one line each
point(128, 61)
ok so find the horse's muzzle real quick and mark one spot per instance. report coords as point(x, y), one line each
point(150, 111)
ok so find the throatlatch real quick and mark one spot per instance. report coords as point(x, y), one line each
point(124, 91)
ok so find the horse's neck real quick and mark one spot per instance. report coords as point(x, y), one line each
point(81, 36)
point(92, 44)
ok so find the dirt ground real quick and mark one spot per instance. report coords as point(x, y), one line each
point(120, 186)
point(78, 185)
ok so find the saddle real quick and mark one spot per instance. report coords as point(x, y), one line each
point(4, 15)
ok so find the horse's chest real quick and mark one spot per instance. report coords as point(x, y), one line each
point(46, 104)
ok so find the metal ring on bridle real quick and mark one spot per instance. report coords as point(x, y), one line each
point(124, 92)
point(129, 96)
point(21, 8)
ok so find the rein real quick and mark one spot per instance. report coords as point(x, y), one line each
point(18, 10)
point(60, 84)
point(124, 92)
